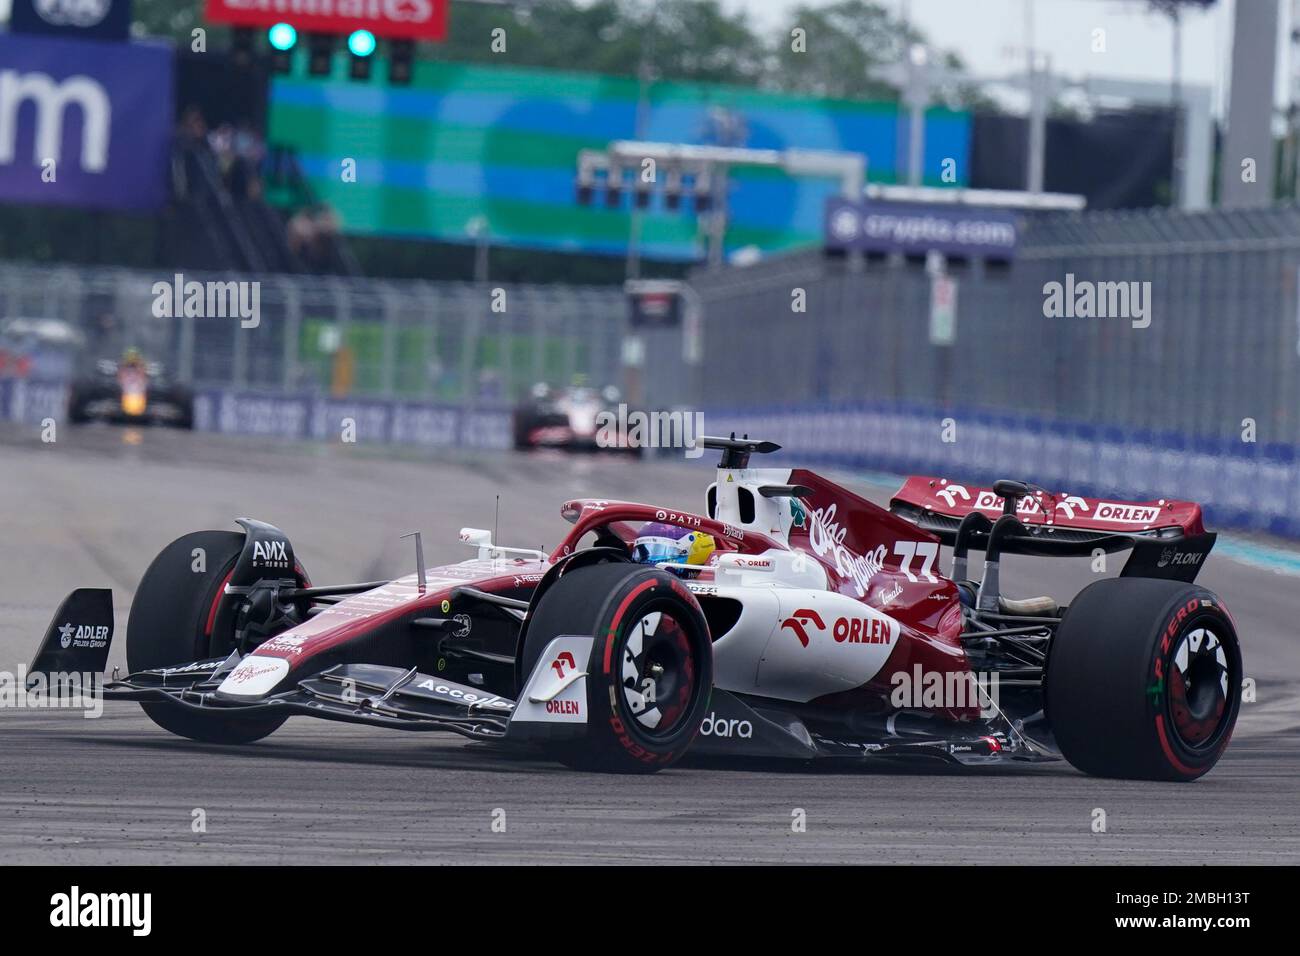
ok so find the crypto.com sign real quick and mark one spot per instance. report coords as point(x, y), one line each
point(392, 19)
point(84, 123)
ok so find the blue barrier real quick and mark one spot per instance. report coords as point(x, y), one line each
point(1239, 484)
point(301, 416)
point(31, 402)
point(372, 421)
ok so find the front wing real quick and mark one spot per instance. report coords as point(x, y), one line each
point(398, 699)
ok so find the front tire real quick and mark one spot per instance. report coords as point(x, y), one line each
point(650, 672)
point(1144, 680)
point(171, 623)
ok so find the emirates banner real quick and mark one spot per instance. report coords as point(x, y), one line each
point(391, 19)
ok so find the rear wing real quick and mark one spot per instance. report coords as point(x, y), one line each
point(1167, 537)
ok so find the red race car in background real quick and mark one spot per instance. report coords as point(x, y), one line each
point(821, 626)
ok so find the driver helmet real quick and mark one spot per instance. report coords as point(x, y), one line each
point(659, 542)
point(132, 357)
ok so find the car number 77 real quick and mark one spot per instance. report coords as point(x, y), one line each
point(907, 551)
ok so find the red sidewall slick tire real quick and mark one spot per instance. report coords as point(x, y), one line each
point(617, 603)
point(1117, 696)
point(169, 625)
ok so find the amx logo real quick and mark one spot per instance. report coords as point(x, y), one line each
point(799, 621)
point(270, 552)
point(51, 98)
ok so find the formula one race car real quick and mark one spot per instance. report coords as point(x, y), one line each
point(818, 626)
point(130, 390)
point(562, 417)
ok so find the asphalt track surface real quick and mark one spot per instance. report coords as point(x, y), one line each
point(94, 508)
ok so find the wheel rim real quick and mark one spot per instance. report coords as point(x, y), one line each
point(658, 674)
point(1199, 687)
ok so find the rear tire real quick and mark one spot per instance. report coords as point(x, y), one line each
point(647, 626)
point(1144, 680)
point(169, 624)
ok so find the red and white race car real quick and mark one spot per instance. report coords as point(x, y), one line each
point(823, 626)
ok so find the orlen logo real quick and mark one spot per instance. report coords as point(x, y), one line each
point(564, 707)
point(559, 664)
point(861, 630)
point(713, 727)
point(799, 621)
point(1136, 514)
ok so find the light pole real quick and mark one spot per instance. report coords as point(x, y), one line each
point(478, 230)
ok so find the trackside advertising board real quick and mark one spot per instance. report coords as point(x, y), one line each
point(918, 228)
point(84, 123)
point(393, 19)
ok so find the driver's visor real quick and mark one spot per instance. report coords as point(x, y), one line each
point(655, 550)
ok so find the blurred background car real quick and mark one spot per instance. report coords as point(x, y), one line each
point(128, 390)
point(567, 417)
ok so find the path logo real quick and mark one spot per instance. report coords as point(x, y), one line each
point(799, 621)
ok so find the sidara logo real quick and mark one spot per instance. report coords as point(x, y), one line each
point(713, 727)
point(799, 621)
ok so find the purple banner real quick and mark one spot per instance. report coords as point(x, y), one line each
point(918, 228)
point(84, 123)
